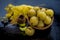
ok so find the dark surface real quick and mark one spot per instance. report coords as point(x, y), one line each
point(12, 34)
point(54, 4)
point(51, 33)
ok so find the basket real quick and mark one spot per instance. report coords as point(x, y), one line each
point(46, 27)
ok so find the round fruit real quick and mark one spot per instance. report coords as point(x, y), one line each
point(47, 20)
point(29, 6)
point(38, 11)
point(29, 31)
point(36, 8)
point(50, 12)
point(31, 12)
point(41, 15)
point(34, 21)
point(43, 9)
point(41, 24)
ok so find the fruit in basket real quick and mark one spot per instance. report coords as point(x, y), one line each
point(38, 11)
point(31, 13)
point(40, 24)
point(43, 9)
point(29, 31)
point(36, 8)
point(50, 12)
point(34, 21)
point(47, 20)
point(41, 15)
point(29, 6)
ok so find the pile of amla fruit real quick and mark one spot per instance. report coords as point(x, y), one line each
point(27, 17)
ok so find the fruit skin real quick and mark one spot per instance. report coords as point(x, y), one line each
point(41, 15)
point(23, 29)
point(36, 8)
point(50, 12)
point(34, 21)
point(8, 15)
point(41, 24)
point(47, 20)
point(25, 10)
point(29, 31)
point(31, 13)
point(8, 8)
point(43, 9)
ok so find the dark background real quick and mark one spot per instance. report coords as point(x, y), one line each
point(54, 4)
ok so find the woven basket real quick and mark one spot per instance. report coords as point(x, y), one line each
point(46, 27)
